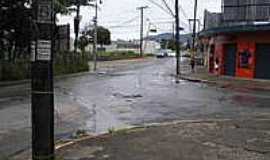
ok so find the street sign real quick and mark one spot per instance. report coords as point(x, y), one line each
point(44, 12)
point(44, 50)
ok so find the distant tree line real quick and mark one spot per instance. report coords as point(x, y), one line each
point(17, 26)
point(17, 30)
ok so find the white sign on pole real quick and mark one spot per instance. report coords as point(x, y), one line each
point(44, 50)
point(44, 12)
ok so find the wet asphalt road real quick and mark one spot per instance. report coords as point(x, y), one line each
point(138, 94)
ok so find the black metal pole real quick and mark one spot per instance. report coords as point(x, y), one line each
point(141, 34)
point(141, 28)
point(95, 37)
point(177, 38)
point(42, 82)
point(194, 24)
point(77, 26)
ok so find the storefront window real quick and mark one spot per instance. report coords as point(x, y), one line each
point(244, 59)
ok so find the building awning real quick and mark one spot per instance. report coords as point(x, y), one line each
point(235, 29)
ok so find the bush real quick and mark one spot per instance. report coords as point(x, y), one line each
point(65, 63)
point(15, 71)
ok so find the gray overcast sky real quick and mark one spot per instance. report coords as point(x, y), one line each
point(122, 18)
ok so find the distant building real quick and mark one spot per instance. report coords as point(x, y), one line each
point(237, 41)
point(122, 45)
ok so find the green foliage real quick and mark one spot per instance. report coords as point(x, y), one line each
point(68, 62)
point(103, 37)
point(65, 63)
point(168, 44)
point(117, 55)
point(14, 71)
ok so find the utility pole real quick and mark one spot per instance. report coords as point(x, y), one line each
point(77, 25)
point(177, 38)
point(173, 31)
point(42, 81)
point(194, 27)
point(95, 37)
point(141, 28)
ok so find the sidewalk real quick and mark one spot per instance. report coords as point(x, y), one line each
point(215, 139)
point(202, 75)
point(186, 140)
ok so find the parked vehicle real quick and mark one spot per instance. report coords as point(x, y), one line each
point(162, 54)
point(171, 53)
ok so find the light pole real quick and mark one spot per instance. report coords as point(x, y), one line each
point(42, 98)
point(95, 37)
point(194, 29)
point(177, 38)
point(77, 25)
point(141, 28)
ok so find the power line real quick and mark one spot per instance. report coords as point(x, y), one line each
point(168, 7)
point(159, 6)
point(183, 11)
point(125, 22)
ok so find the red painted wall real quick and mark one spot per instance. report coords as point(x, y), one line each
point(244, 41)
point(246, 72)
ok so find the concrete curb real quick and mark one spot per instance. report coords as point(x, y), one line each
point(12, 83)
point(198, 80)
point(145, 126)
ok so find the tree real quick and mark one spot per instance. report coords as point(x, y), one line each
point(103, 36)
point(17, 25)
point(83, 42)
point(15, 28)
point(168, 44)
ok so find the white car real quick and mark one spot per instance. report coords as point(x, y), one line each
point(162, 54)
point(171, 54)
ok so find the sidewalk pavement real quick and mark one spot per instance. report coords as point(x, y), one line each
point(216, 139)
point(183, 140)
point(202, 75)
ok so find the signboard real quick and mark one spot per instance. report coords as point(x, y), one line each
point(44, 12)
point(44, 50)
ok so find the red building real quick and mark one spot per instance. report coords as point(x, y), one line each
point(242, 51)
point(236, 41)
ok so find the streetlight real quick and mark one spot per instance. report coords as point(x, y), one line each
point(95, 37)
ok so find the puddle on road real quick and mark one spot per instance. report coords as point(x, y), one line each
point(131, 96)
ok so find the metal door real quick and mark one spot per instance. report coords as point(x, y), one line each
point(230, 59)
point(262, 61)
